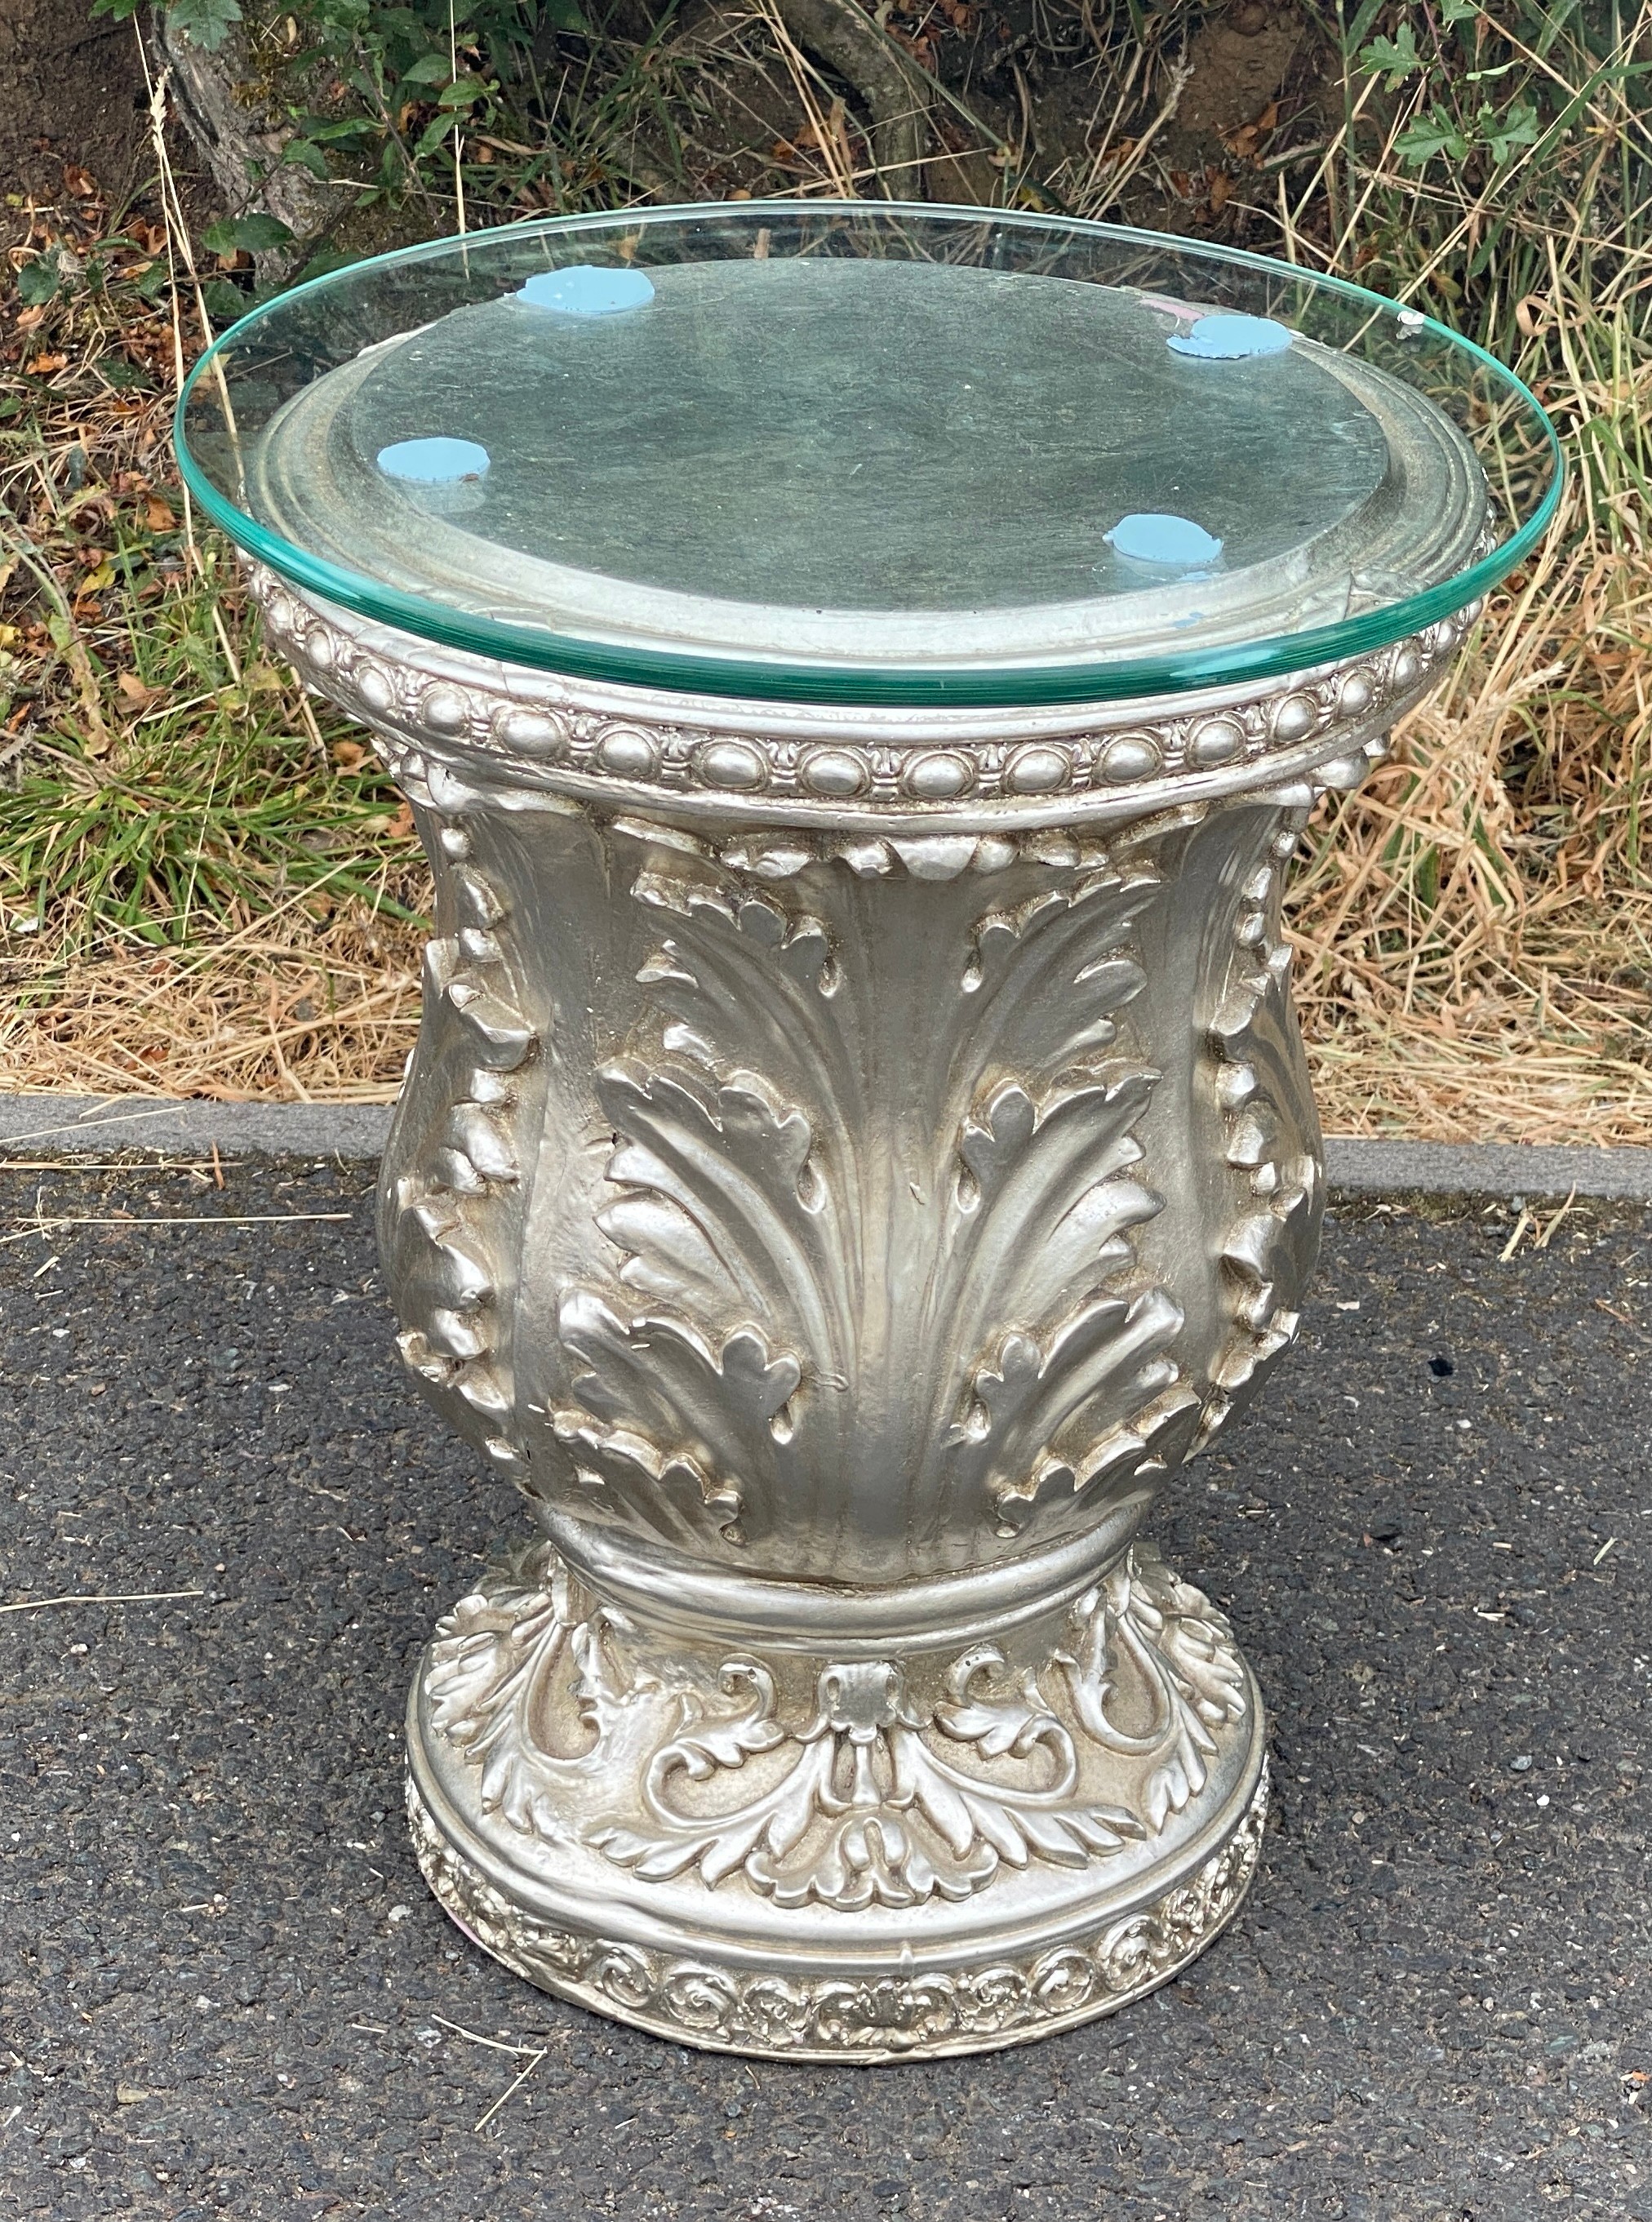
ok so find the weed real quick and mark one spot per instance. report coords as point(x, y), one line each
point(202, 889)
point(1475, 929)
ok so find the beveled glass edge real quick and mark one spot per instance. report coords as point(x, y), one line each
point(1007, 687)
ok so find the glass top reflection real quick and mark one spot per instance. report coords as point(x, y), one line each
point(849, 452)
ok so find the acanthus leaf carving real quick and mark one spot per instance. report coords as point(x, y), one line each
point(869, 1798)
point(1025, 1398)
point(660, 1404)
point(500, 1648)
point(760, 1199)
point(1134, 1456)
point(1268, 1252)
point(442, 1228)
point(735, 1162)
point(870, 1812)
point(1182, 1650)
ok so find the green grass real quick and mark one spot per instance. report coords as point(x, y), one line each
point(211, 798)
point(160, 780)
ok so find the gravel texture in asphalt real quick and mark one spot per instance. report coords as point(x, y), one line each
point(224, 1990)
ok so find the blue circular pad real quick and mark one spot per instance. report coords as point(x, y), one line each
point(586, 290)
point(1229, 338)
point(1176, 542)
point(432, 462)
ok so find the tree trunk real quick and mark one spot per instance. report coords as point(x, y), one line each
point(843, 34)
point(240, 140)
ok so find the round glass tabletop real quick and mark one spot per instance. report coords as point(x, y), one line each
point(864, 452)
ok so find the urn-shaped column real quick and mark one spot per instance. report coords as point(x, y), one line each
point(811, 1205)
point(843, 1176)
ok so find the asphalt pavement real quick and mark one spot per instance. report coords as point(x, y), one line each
point(224, 1990)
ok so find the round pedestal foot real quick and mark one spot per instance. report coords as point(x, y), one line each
point(899, 2014)
point(867, 1875)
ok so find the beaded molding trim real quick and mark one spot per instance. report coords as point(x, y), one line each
point(528, 718)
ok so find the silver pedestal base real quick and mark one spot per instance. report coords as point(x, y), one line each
point(853, 1158)
point(866, 1937)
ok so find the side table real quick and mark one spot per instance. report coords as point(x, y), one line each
point(860, 673)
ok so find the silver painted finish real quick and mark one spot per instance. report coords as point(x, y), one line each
point(728, 765)
point(837, 1204)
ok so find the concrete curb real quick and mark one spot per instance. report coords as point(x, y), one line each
point(77, 1126)
point(1360, 1167)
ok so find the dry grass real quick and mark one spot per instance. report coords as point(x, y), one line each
point(205, 890)
point(1475, 929)
point(287, 1012)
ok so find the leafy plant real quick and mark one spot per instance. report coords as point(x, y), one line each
point(1498, 131)
point(500, 107)
point(209, 22)
point(38, 281)
point(248, 235)
point(1477, 135)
